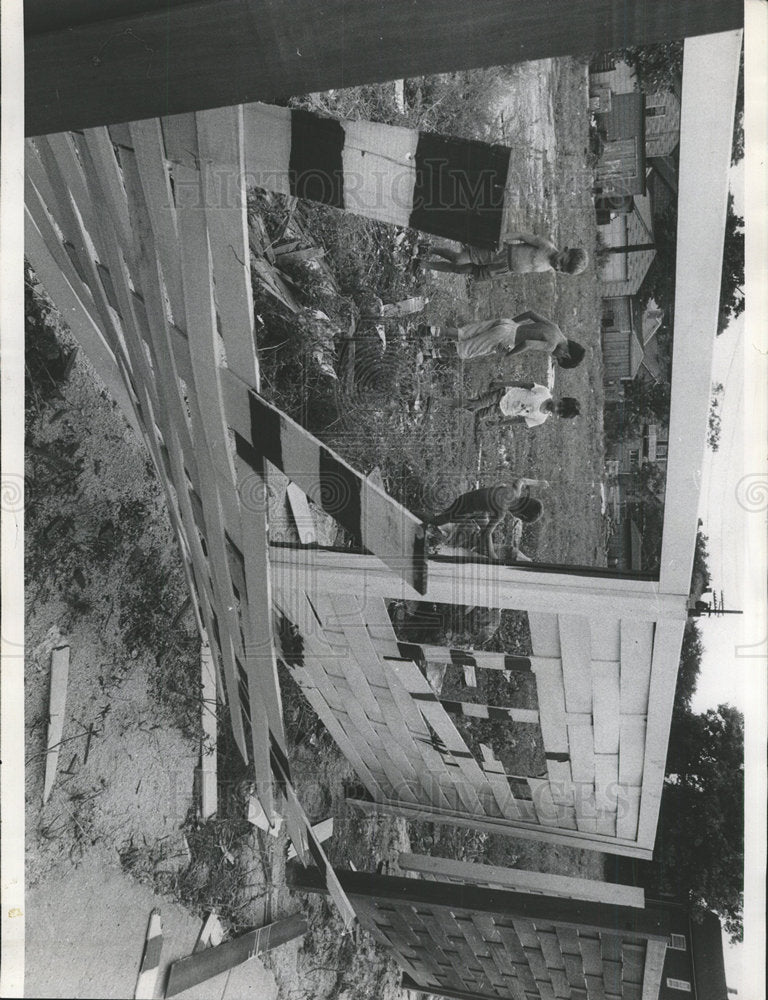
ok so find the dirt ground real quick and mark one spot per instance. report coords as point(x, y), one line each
point(119, 834)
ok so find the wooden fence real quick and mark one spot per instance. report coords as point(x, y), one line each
point(492, 944)
point(148, 262)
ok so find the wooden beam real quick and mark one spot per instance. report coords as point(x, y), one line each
point(630, 922)
point(89, 64)
point(484, 585)
point(509, 828)
point(523, 881)
point(409, 983)
point(58, 701)
point(204, 965)
point(710, 76)
point(654, 966)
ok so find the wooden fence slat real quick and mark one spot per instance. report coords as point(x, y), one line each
point(576, 647)
point(628, 811)
point(384, 526)
point(523, 881)
point(474, 782)
point(653, 969)
point(666, 656)
point(636, 655)
point(545, 634)
point(551, 695)
point(136, 176)
point(146, 142)
point(606, 782)
point(204, 965)
point(543, 803)
point(631, 749)
point(78, 317)
point(260, 660)
point(222, 163)
point(606, 708)
point(606, 638)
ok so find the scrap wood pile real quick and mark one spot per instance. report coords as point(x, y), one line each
point(301, 308)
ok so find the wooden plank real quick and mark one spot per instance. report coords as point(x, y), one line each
point(631, 749)
point(384, 526)
point(605, 699)
point(666, 659)
point(628, 812)
point(486, 586)
point(654, 964)
point(322, 830)
point(235, 53)
point(541, 794)
point(56, 706)
point(79, 318)
point(523, 881)
point(146, 982)
point(545, 635)
point(208, 768)
point(204, 965)
point(493, 770)
point(576, 646)
point(636, 654)
point(522, 829)
point(704, 171)
point(551, 695)
point(606, 782)
point(582, 750)
point(302, 515)
point(222, 166)
point(474, 784)
point(634, 924)
point(606, 638)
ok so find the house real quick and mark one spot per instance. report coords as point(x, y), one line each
point(694, 968)
point(623, 273)
point(629, 345)
point(662, 123)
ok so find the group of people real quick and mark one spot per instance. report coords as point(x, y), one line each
point(507, 402)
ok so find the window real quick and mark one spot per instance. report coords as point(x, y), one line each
point(634, 458)
point(679, 984)
point(677, 942)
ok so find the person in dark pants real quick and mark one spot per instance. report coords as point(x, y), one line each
point(489, 506)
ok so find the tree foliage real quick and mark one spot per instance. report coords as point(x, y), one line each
point(714, 424)
point(732, 285)
point(699, 852)
point(659, 282)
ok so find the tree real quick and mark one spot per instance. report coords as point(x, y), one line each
point(699, 851)
point(658, 67)
point(713, 429)
point(737, 152)
point(732, 285)
point(659, 282)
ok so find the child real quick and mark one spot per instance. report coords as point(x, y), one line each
point(491, 504)
point(528, 331)
point(521, 402)
point(522, 253)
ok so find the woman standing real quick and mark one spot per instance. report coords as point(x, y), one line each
point(528, 331)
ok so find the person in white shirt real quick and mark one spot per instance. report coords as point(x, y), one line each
point(520, 402)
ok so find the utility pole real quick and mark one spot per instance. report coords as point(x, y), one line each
point(716, 608)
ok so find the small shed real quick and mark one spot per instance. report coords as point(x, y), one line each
point(621, 169)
